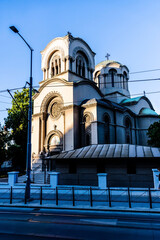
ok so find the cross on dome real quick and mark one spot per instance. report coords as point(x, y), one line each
point(107, 56)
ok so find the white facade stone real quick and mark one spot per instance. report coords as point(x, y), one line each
point(79, 104)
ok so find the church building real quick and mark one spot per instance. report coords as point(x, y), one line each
point(79, 104)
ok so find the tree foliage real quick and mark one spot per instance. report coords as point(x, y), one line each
point(17, 122)
point(154, 134)
point(3, 141)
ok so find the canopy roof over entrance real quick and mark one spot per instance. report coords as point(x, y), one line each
point(110, 151)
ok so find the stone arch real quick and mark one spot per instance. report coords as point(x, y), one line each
point(47, 82)
point(56, 132)
point(54, 146)
point(54, 64)
point(47, 100)
point(90, 115)
point(50, 53)
point(112, 72)
point(125, 78)
point(76, 49)
point(87, 132)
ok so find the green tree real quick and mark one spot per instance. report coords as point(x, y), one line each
point(17, 122)
point(154, 134)
point(3, 141)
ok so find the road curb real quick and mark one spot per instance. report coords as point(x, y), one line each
point(82, 209)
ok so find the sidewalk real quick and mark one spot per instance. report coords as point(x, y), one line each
point(36, 205)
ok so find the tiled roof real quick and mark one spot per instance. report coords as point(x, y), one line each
point(110, 151)
point(131, 100)
point(147, 111)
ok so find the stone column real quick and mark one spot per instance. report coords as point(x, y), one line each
point(64, 131)
point(43, 73)
point(12, 178)
point(156, 178)
point(67, 63)
point(54, 179)
point(47, 73)
point(102, 180)
point(43, 119)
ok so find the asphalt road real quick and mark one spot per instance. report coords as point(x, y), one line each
point(30, 223)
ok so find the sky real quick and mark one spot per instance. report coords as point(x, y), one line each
point(128, 30)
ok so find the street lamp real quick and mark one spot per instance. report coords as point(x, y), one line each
point(28, 166)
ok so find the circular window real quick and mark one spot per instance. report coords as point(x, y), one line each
point(56, 110)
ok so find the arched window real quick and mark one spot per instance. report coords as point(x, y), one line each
point(81, 64)
point(112, 74)
point(124, 80)
point(87, 129)
point(55, 65)
point(128, 130)
point(106, 120)
point(54, 140)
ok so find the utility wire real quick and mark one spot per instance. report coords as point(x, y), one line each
point(80, 101)
point(137, 94)
point(110, 97)
point(152, 70)
point(5, 102)
point(60, 85)
point(4, 96)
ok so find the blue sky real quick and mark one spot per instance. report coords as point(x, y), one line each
point(127, 29)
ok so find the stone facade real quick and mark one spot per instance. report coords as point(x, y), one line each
point(80, 104)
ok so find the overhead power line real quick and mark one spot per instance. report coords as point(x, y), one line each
point(80, 101)
point(60, 85)
point(4, 96)
point(151, 70)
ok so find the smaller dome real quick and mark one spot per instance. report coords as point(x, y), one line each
point(147, 111)
point(106, 62)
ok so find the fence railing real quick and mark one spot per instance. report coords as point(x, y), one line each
point(83, 197)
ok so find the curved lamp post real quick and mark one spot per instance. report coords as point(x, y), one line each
point(28, 165)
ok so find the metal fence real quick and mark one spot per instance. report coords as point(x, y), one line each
point(83, 197)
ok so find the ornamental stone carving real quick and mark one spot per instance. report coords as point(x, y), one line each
point(56, 110)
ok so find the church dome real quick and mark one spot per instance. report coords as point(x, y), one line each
point(147, 112)
point(106, 63)
point(112, 77)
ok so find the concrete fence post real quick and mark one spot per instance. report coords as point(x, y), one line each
point(102, 180)
point(12, 178)
point(156, 178)
point(54, 179)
